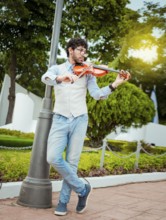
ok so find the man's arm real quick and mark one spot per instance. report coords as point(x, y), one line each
point(102, 93)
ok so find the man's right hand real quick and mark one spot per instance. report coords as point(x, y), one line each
point(67, 78)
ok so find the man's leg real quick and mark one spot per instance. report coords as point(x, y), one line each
point(76, 139)
point(77, 134)
point(57, 141)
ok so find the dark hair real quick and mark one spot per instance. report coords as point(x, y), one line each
point(76, 42)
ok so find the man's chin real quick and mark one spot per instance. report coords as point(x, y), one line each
point(79, 61)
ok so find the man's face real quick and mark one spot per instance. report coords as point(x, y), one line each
point(78, 54)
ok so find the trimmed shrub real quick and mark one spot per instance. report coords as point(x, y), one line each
point(16, 133)
point(14, 165)
point(11, 141)
point(122, 146)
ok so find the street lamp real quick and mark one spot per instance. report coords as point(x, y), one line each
point(36, 189)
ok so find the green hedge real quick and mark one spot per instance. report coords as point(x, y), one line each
point(126, 147)
point(153, 149)
point(122, 146)
point(14, 165)
point(14, 141)
point(14, 138)
point(16, 133)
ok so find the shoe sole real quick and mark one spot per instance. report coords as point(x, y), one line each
point(60, 213)
point(80, 212)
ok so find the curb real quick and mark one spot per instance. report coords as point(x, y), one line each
point(12, 189)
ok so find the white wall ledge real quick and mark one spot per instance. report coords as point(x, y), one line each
point(12, 189)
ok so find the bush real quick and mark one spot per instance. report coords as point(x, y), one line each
point(11, 141)
point(14, 165)
point(14, 138)
point(152, 163)
point(16, 133)
point(127, 147)
point(153, 149)
point(122, 146)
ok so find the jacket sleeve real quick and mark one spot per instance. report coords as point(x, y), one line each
point(49, 78)
point(94, 90)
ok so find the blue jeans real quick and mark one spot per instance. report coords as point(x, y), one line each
point(67, 133)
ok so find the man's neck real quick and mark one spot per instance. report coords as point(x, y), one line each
point(71, 61)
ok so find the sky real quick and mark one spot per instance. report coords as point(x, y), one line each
point(138, 4)
point(148, 54)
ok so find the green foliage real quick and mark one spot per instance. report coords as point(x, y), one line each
point(153, 149)
point(25, 42)
point(87, 163)
point(126, 106)
point(11, 141)
point(25, 35)
point(149, 32)
point(152, 164)
point(116, 165)
point(14, 138)
point(110, 28)
point(122, 146)
point(14, 165)
point(102, 23)
point(16, 133)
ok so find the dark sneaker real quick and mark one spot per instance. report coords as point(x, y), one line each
point(61, 209)
point(82, 200)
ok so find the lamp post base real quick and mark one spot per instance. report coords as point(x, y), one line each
point(36, 193)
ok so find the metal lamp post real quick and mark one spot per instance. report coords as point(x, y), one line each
point(36, 189)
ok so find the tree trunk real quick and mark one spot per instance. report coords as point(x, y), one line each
point(11, 97)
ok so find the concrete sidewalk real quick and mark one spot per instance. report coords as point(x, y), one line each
point(138, 201)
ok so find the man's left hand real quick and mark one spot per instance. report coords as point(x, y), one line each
point(122, 77)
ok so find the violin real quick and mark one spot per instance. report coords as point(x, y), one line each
point(96, 70)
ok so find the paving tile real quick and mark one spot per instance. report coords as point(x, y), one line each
point(146, 216)
point(138, 201)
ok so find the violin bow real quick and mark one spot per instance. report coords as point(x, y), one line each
point(105, 68)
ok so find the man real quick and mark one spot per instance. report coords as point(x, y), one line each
point(70, 121)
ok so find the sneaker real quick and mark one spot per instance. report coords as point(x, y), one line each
point(61, 209)
point(82, 200)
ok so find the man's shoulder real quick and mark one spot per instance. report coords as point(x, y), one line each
point(57, 66)
point(62, 64)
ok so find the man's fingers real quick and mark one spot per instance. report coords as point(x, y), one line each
point(70, 78)
point(125, 75)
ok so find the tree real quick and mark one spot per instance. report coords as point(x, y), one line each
point(141, 36)
point(126, 106)
point(102, 23)
point(26, 32)
point(24, 41)
point(155, 16)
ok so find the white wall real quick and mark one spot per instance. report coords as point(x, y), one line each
point(151, 133)
point(26, 111)
point(23, 112)
point(156, 133)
